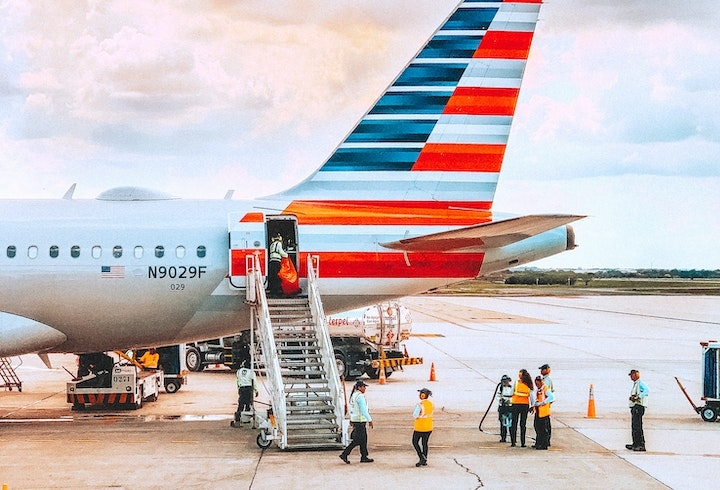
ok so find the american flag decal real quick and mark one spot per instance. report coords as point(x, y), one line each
point(112, 271)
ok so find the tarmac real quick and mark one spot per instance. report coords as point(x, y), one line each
point(184, 440)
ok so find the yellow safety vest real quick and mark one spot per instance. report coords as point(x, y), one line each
point(521, 395)
point(542, 410)
point(424, 421)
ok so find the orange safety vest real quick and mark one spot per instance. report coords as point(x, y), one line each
point(542, 410)
point(424, 421)
point(521, 394)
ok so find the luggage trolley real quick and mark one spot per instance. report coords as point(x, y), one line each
point(710, 382)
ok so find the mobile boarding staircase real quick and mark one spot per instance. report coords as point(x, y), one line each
point(8, 375)
point(301, 373)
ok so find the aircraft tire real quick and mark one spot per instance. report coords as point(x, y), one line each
point(193, 360)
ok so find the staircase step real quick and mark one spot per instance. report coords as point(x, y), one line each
point(296, 398)
point(308, 389)
point(301, 356)
point(308, 409)
point(300, 426)
point(290, 363)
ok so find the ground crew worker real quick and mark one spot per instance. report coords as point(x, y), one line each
point(275, 256)
point(359, 417)
point(541, 406)
point(520, 406)
point(247, 387)
point(504, 395)
point(545, 371)
point(423, 426)
point(150, 359)
point(638, 402)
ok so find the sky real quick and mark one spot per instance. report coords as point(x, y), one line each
point(618, 117)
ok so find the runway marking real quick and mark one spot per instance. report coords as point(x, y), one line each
point(184, 442)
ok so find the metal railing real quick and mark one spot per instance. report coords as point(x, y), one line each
point(255, 295)
point(326, 347)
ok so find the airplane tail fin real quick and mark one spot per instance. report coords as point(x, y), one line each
point(436, 138)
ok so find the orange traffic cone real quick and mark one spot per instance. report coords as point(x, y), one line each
point(591, 404)
point(382, 379)
point(432, 372)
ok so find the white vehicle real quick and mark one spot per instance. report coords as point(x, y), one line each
point(123, 385)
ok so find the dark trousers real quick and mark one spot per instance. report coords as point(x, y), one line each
point(519, 418)
point(273, 280)
point(420, 443)
point(638, 436)
point(542, 431)
point(358, 437)
point(245, 401)
point(505, 417)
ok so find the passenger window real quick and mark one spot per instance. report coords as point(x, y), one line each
point(180, 252)
point(11, 251)
point(75, 251)
point(96, 252)
point(54, 251)
point(117, 251)
point(159, 251)
point(201, 251)
point(32, 251)
point(138, 252)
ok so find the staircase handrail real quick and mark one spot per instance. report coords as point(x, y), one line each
point(325, 344)
point(269, 351)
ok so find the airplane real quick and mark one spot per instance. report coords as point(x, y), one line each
point(403, 205)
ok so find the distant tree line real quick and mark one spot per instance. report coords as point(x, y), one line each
point(549, 277)
point(659, 273)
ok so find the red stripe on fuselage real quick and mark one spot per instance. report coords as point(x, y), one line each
point(460, 158)
point(505, 45)
point(393, 265)
point(376, 265)
point(410, 213)
point(479, 101)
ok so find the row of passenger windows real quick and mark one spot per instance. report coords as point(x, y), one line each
point(96, 252)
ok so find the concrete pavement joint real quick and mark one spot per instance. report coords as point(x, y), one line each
point(481, 484)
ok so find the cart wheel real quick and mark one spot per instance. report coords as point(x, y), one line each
point(709, 414)
point(172, 386)
point(262, 441)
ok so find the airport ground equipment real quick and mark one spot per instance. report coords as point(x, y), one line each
point(114, 384)
point(172, 363)
point(359, 343)
point(300, 370)
point(710, 382)
point(9, 376)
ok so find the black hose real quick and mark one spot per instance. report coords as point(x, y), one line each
point(489, 406)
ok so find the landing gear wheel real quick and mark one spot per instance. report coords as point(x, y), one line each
point(262, 441)
point(193, 360)
point(709, 414)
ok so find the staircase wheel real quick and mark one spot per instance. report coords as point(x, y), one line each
point(262, 441)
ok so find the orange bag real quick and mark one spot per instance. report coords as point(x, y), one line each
point(288, 277)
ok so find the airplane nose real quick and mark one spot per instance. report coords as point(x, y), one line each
point(570, 232)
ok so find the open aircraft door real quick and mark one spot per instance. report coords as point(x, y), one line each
point(247, 238)
point(251, 234)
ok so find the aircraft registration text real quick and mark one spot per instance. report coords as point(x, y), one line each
point(179, 272)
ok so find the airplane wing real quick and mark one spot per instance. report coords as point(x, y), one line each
point(486, 235)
